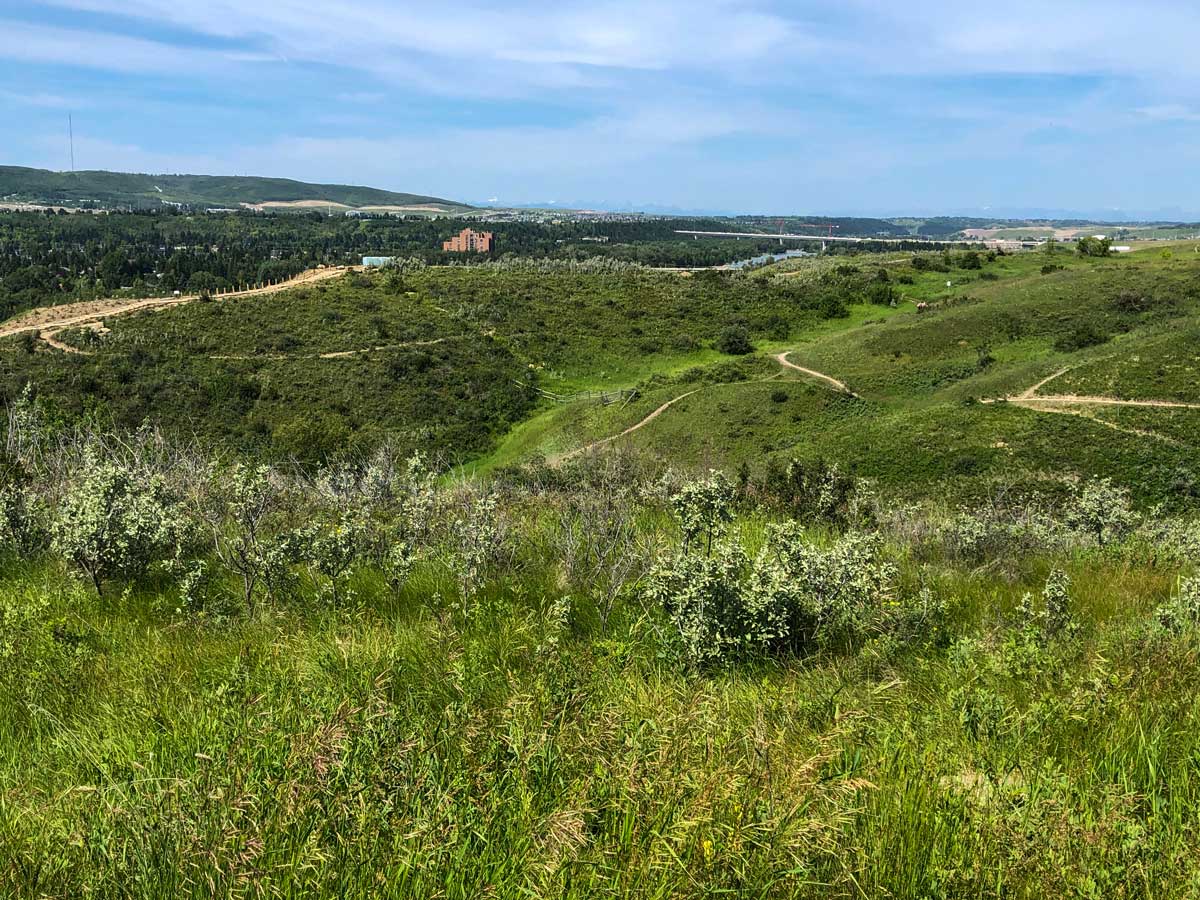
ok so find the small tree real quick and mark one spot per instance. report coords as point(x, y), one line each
point(479, 542)
point(1102, 510)
point(704, 508)
point(1093, 246)
point(116, 522)
point(335, 549)
point(735, 341)
point(239, 514)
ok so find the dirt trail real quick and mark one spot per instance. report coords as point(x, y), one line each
point(783, 360)
point(1079, 404)
point(1032, 399)
point(337, 354)
point(50, 340)
point(1124, 429)
point(55, 318)
point(780, 358)
point(1045, 381)
point(630, 430)
point(1081, 400)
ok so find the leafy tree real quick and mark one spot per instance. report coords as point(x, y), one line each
point(1102, 510)
point(1093, 246)
point(116, 521)
point(735, 341)
point(704, 508)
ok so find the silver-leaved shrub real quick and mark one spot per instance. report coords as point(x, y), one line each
point(116, 521)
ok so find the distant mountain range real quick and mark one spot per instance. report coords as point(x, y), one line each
point(118, 189)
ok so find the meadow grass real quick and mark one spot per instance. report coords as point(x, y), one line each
point(405, 747)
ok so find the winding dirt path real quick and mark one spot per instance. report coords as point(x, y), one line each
point(50, 339)
point(783, 360)
point(630, 430)
point(336, 354)
point(1081, 405)
point(55, 318)
point(1032, 399)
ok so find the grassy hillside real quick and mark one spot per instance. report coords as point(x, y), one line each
point(613, 674)
point(1121, 328)
point(543, 687)
point(127, 189)
point(447, 357)
point(452, 358)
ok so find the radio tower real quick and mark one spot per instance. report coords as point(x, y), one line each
point(71, 132)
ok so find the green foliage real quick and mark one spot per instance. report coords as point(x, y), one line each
point(704, 509)
point(1088, 334)
point(1093, 246)
point(816, 491)
point(43, 655)
point(1102, 510)
point(116, 521)
point(734, 340)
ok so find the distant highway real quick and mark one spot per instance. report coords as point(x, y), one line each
point(1007, 245)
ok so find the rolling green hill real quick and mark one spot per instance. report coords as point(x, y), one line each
point(98, 188)
point(459, 360)
point(1120, 329)
point(610, 674)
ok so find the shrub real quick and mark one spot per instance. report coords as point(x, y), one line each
point(1181, 614)
point(702, 596)
point(116, 522)
point(22, 520)
point(335, 548)
point(735, 341)
point(793, 597)
point(1102, 510)
point(880, 293)
point(1082, 336)
point(1093, 246)
point(243, 512)
point(704, 508)
point(929, 264)
point(815, 491)
point(1131, 301)
point(479, 542)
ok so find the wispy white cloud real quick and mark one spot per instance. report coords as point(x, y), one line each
point(787, 98)
point(38, 99)
point(47, 44)
point(1169, 112)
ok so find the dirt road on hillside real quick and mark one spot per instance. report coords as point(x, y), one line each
point(1032, 399)
point(630, 430)
point(780, 358)
point(55, 318)
point(783, 360)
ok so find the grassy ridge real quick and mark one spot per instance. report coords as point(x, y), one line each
point(1118, 327)
point(119, 188)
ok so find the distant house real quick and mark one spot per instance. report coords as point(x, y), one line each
point(374, 262)
point(468, 241)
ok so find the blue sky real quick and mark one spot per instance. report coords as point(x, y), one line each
point(857, 106)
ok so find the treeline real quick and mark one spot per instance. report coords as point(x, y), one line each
point(48, 258)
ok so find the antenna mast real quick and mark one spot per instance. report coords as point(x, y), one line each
point(71, 132)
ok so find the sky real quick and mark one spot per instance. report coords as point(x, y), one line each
point(849, 107)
